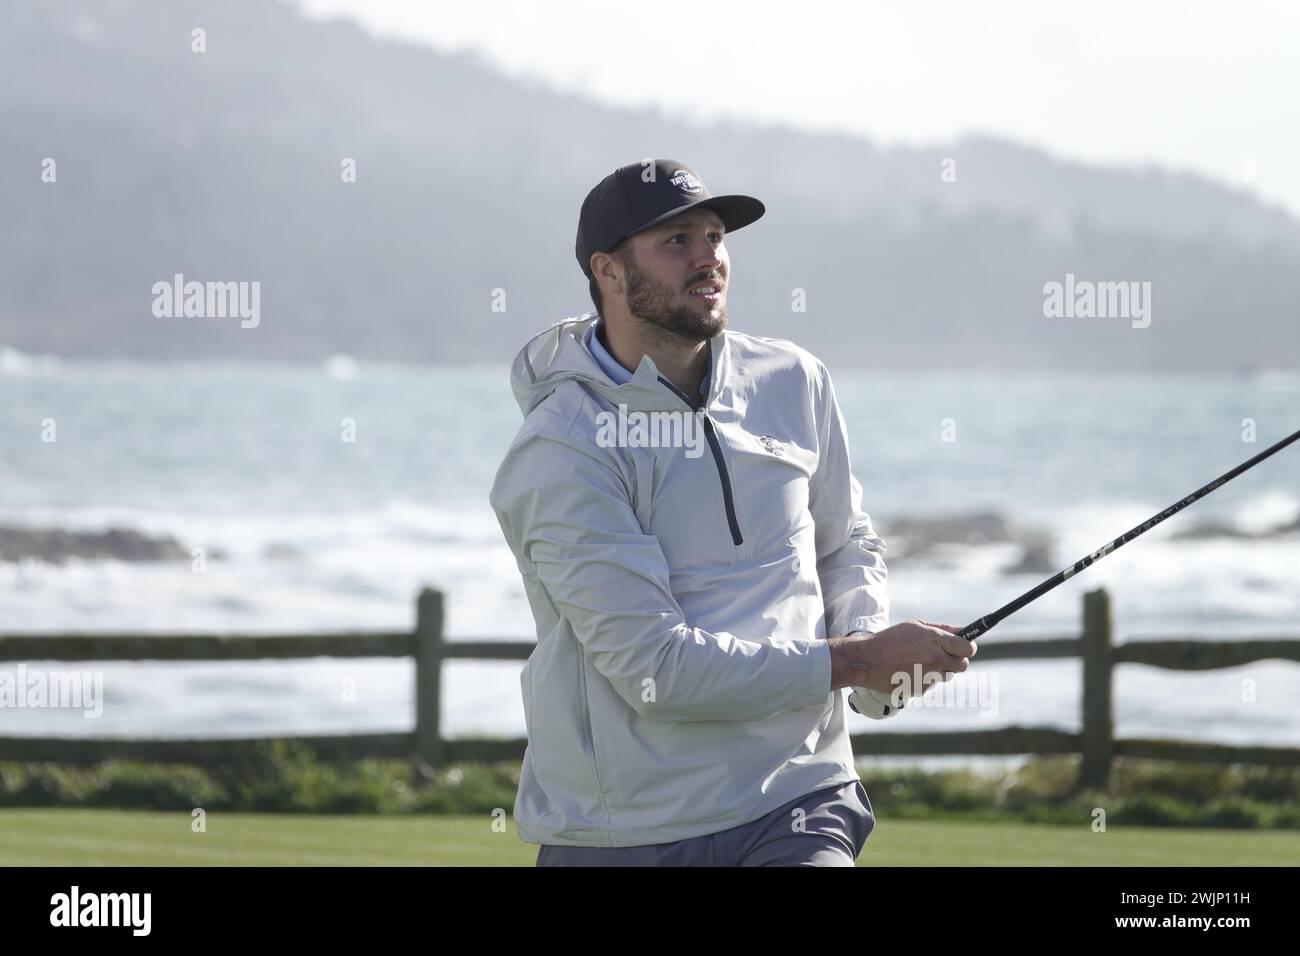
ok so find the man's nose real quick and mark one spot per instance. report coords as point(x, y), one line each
point(707, 257)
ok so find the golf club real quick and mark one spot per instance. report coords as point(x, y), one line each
point(976, 628)
point(876, 704)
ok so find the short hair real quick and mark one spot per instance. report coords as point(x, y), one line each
point(622, 251)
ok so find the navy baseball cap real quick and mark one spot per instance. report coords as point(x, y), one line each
point(644, 194)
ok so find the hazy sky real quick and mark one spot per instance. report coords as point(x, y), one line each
point(1201, 86)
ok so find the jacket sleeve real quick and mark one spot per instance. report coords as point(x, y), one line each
point(850, 555)
point(568, 517)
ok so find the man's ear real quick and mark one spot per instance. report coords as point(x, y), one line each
point(603, 266)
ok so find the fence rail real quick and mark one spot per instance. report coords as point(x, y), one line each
point(1096, 742)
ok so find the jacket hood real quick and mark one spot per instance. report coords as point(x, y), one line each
point(559, 354)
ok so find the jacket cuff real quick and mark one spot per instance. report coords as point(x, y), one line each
point(818, 671)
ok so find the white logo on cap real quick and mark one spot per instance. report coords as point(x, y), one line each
point(686, 182)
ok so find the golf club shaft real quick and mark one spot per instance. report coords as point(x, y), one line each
point(976, 628)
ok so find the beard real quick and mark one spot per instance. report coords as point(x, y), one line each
point(655, 305)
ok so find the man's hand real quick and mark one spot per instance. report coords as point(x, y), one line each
point(872, 660)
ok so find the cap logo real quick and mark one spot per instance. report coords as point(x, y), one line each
point(686, 182)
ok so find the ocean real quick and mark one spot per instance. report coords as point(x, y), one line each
point(304, 531)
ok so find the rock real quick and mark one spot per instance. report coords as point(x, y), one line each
point(1035, 559)
point(913, 536)
point(281, 551)
point(1291, 527)
point(1214, 529)
point(1209, 529)
point(55, 545)
point(977, 528)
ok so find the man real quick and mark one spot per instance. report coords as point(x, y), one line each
point(680, 505)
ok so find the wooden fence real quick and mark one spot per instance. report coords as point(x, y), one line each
point(1096, 741)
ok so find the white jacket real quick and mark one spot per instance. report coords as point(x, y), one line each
point(681, 683)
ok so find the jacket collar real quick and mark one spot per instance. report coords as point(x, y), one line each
point(559, 353)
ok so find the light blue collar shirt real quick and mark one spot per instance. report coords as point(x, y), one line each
point(610, 365)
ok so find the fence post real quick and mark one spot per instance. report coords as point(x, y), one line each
point(1098, 716)
point(428, 676)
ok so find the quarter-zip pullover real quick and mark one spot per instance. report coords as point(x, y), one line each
point(681, 682)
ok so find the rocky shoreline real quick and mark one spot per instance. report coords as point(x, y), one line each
point(56, 545)
point(914, 537)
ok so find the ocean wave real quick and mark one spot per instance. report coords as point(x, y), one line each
point(16, 363)
point(343, 367)
point(1278, 379)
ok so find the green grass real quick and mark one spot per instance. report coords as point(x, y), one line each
point(286, 777)
point(67, 837)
